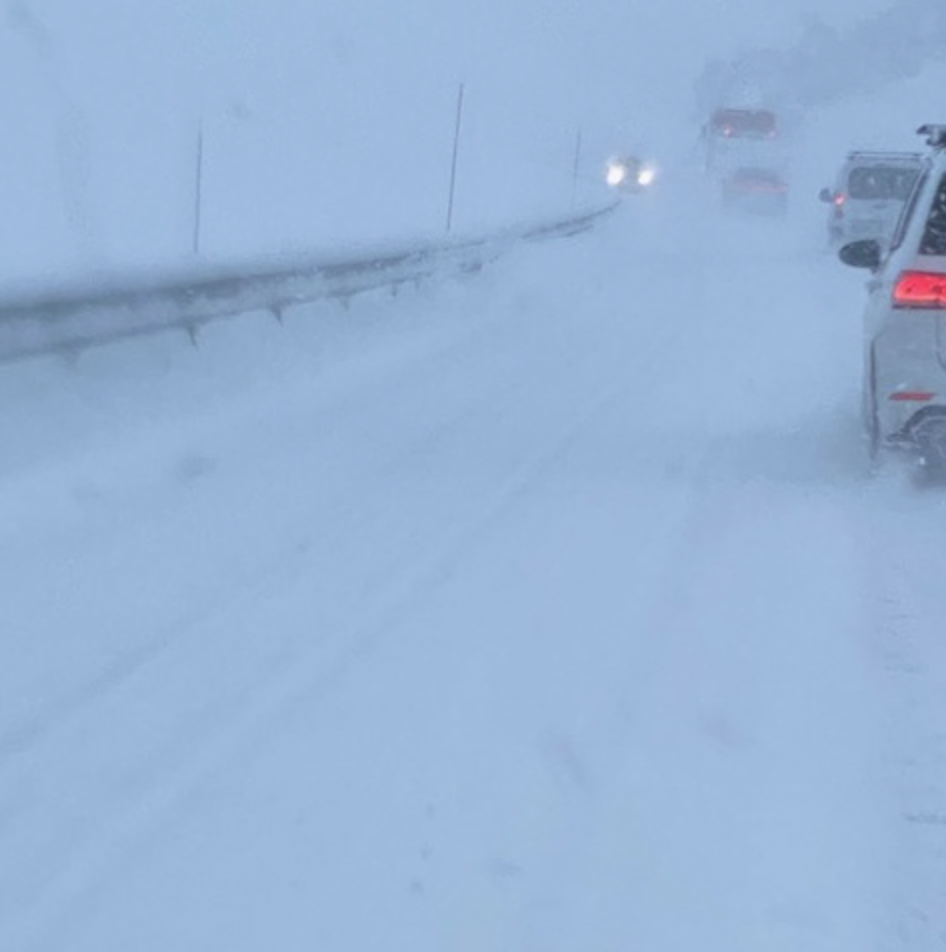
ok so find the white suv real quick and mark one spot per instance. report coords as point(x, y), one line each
point(905, 319)
point(869, 194)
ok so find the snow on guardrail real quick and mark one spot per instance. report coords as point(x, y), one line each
point(69, 321)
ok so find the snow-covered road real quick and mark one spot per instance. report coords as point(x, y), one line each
point(550, 611)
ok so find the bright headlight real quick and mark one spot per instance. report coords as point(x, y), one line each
point(646, 176)
point(616, 173)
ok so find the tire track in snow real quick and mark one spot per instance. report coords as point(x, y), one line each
point(436, 364)
point(24, 733)
point(717, 512)
point(233, 731)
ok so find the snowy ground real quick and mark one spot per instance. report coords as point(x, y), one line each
point(550, 611)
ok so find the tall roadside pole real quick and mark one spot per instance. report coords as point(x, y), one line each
point(198, 188)
point(456, 153)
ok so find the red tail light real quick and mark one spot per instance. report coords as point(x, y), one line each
point(920, 289)
point(839, 199)
point(911, 396)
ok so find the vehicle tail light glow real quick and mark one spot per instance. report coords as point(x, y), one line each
point(912, 396)
point(840, 199)
point(920, 289)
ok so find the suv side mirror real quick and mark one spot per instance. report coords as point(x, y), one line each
point(862, 254)
point(826, 196)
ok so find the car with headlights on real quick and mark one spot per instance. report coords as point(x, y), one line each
point(904, 380)
point(628, 173)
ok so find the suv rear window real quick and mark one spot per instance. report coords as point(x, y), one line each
point(934, 235)
point(878, 182)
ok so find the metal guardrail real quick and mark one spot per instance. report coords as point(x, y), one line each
point(75, 319)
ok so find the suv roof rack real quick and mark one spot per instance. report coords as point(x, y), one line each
point(935, 134)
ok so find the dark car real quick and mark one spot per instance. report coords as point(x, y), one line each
point(739, 137)
point(743, 124)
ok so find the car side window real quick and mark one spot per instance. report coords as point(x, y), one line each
point(907, 214)
point(934, 235)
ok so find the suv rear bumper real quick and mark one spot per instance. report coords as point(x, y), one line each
point(907, 379)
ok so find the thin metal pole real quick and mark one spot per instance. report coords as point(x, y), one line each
point(456, 152)
point(575, 166)
point(198, 188)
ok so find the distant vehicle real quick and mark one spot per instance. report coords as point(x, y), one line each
point(738, 137)
point(869, 195)
point(904, 392)
point(742, 124)
point(757, 191)
point(628, 173)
